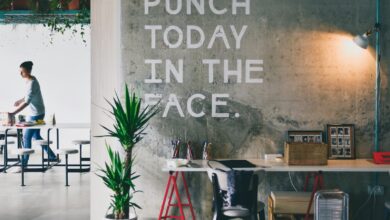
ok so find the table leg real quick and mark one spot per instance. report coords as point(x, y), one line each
point(7, 160)
point(173, 181)
point(5, 150)
point(165, 196)
point(48, 147)
point(58, 143)
point(19, 134)
point(173, 189)
point(43, 158)
point(81, 157)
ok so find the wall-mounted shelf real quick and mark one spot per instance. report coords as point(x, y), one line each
point(31, 17)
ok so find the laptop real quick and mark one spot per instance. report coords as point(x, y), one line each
point(237, 164)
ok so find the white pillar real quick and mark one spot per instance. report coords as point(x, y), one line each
point(106, 78)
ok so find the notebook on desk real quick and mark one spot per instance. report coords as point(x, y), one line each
point(237, 163)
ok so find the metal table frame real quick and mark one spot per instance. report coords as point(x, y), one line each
point(46, 163)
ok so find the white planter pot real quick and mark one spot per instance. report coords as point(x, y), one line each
point(132, 217)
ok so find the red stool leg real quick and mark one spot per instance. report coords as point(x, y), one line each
point(172, 188)
point(165, 197)
point(180, 205)
point(173, 181)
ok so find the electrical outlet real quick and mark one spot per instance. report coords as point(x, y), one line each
point(376, 190)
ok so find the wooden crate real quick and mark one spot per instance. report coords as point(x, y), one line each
point(288, 204)
point(305, 153)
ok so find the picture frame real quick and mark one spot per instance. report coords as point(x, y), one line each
point(341, 141)
point(296, 136)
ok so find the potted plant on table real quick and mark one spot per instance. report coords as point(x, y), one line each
point(130, 122)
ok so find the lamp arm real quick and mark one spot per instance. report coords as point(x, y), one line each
point(376, 28)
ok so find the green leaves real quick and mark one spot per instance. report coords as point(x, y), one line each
point(129, 120)
point(118, 179)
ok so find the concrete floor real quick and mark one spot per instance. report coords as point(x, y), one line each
point(45, 197)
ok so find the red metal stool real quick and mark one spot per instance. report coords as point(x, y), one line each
point(172, 188)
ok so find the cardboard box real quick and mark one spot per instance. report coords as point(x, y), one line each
point(6, 119)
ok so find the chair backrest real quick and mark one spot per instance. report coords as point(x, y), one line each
point(238, 188)
point(221, 171)
point(222, 178)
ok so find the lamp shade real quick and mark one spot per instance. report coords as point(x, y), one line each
point(361, 40)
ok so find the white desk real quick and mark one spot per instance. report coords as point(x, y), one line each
point(358, 165)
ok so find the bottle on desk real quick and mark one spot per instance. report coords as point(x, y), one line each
point(206, 151)
point(52, 119)
point(190, 152)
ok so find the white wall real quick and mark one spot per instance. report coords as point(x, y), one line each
point(62, 68)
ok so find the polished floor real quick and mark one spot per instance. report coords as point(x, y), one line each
point(45, 196)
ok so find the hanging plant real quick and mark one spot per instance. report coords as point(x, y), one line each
point(76, 23)
point(59, 16)
point(62, 23)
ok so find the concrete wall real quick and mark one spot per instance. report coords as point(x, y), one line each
point(313, 75)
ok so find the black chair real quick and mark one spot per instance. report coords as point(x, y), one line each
point(247, 211)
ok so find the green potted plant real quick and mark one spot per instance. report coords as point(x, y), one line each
point(130, 122)
point(116, 177)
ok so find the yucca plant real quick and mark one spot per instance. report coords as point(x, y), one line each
point(130, 122)
point(116, 177)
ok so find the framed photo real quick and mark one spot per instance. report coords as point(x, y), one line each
point(298, 138)
point(305, 137)
point(341, 141)
point(333, 131)
point(346, 131)
point(334, 141)
point(340, 131)
point(334, 150)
